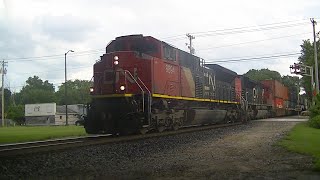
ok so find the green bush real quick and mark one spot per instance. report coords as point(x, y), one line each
point(315, 109)
point(314, 122)
point(16, 113)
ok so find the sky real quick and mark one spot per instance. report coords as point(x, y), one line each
point(35, 34)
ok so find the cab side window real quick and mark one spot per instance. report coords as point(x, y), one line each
point(169, 53)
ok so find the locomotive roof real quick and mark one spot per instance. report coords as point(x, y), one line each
point(132, 36)
point(250, 82)
point(222, 73)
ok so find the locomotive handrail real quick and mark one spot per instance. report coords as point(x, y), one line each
point(149, 105)
point(245, 103)
point(144, 85)
point(143, 109)
point(125, 72)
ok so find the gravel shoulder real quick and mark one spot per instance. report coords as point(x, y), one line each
point(242, 152)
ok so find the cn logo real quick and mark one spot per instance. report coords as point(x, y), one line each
point(36, 109)
point(169, 69)
point(116, 75)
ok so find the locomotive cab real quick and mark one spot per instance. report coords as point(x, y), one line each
point(122, 86)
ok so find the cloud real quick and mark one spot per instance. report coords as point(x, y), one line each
point(14, 43)
point(66, 28)
point(48, 27)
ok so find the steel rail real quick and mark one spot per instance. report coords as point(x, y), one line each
point(68, 143)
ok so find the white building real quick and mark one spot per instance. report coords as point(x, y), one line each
point(49, 114)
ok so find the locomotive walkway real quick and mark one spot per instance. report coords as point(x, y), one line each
point(288, 119)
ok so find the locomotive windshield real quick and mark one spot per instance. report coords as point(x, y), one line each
point(137, 45)
point(143, 46)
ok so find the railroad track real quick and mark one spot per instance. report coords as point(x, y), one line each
point(60, 144)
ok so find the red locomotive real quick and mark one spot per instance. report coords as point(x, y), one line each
point(144, 84)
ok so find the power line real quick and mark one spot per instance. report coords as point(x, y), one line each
point(243, 27)
point(200, 34)
point(260, 55)
point(249, 30)
point(249, 42)
point(226, 60)
point(80, 67)
point(253, 58)
point(54, 84)
point(238, 30)
point(215, 60)
point(57, 56)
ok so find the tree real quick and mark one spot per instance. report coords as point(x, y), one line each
point(16, 113)
point(7, 101)
point(307, 58)
point(36, 91)
point(7, 97)
point(78, 92)
point(291, 81)
point(263, 74)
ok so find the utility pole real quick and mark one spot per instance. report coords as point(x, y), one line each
point(190, 43)
point(315, 54)
point(65, 84)
point(3, 71)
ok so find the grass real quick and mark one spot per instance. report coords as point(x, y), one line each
point(306, 140)
point(35, 133)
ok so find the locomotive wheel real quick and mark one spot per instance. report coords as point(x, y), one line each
point(161, 128)
point(143, 131)
point(177, 124)
point(175, 127)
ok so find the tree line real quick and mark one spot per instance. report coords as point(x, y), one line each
point(292, 82)
point(38, 91)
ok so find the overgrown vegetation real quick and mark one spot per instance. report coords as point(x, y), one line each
point(27, 133)
point(16, 113)
point(315, 109)
point(314, 120)
point(304, 139)
point(307, 58)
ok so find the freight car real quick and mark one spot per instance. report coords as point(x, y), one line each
point(143, 84)
point(254, 94)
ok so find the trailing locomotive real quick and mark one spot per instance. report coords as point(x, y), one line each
point(143, 84)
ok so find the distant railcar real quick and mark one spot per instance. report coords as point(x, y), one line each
point(277, 95)
point(254, 94)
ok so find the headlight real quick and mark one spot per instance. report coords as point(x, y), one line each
point(116, 58)
point(91, 89)
point(122, 88)
point(116, 62)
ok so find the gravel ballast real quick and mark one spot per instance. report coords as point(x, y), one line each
point(240, 152)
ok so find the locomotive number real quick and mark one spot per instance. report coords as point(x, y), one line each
point(169, 69)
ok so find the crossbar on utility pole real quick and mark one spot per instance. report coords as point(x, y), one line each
point(315, 55)
point(190, 43)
